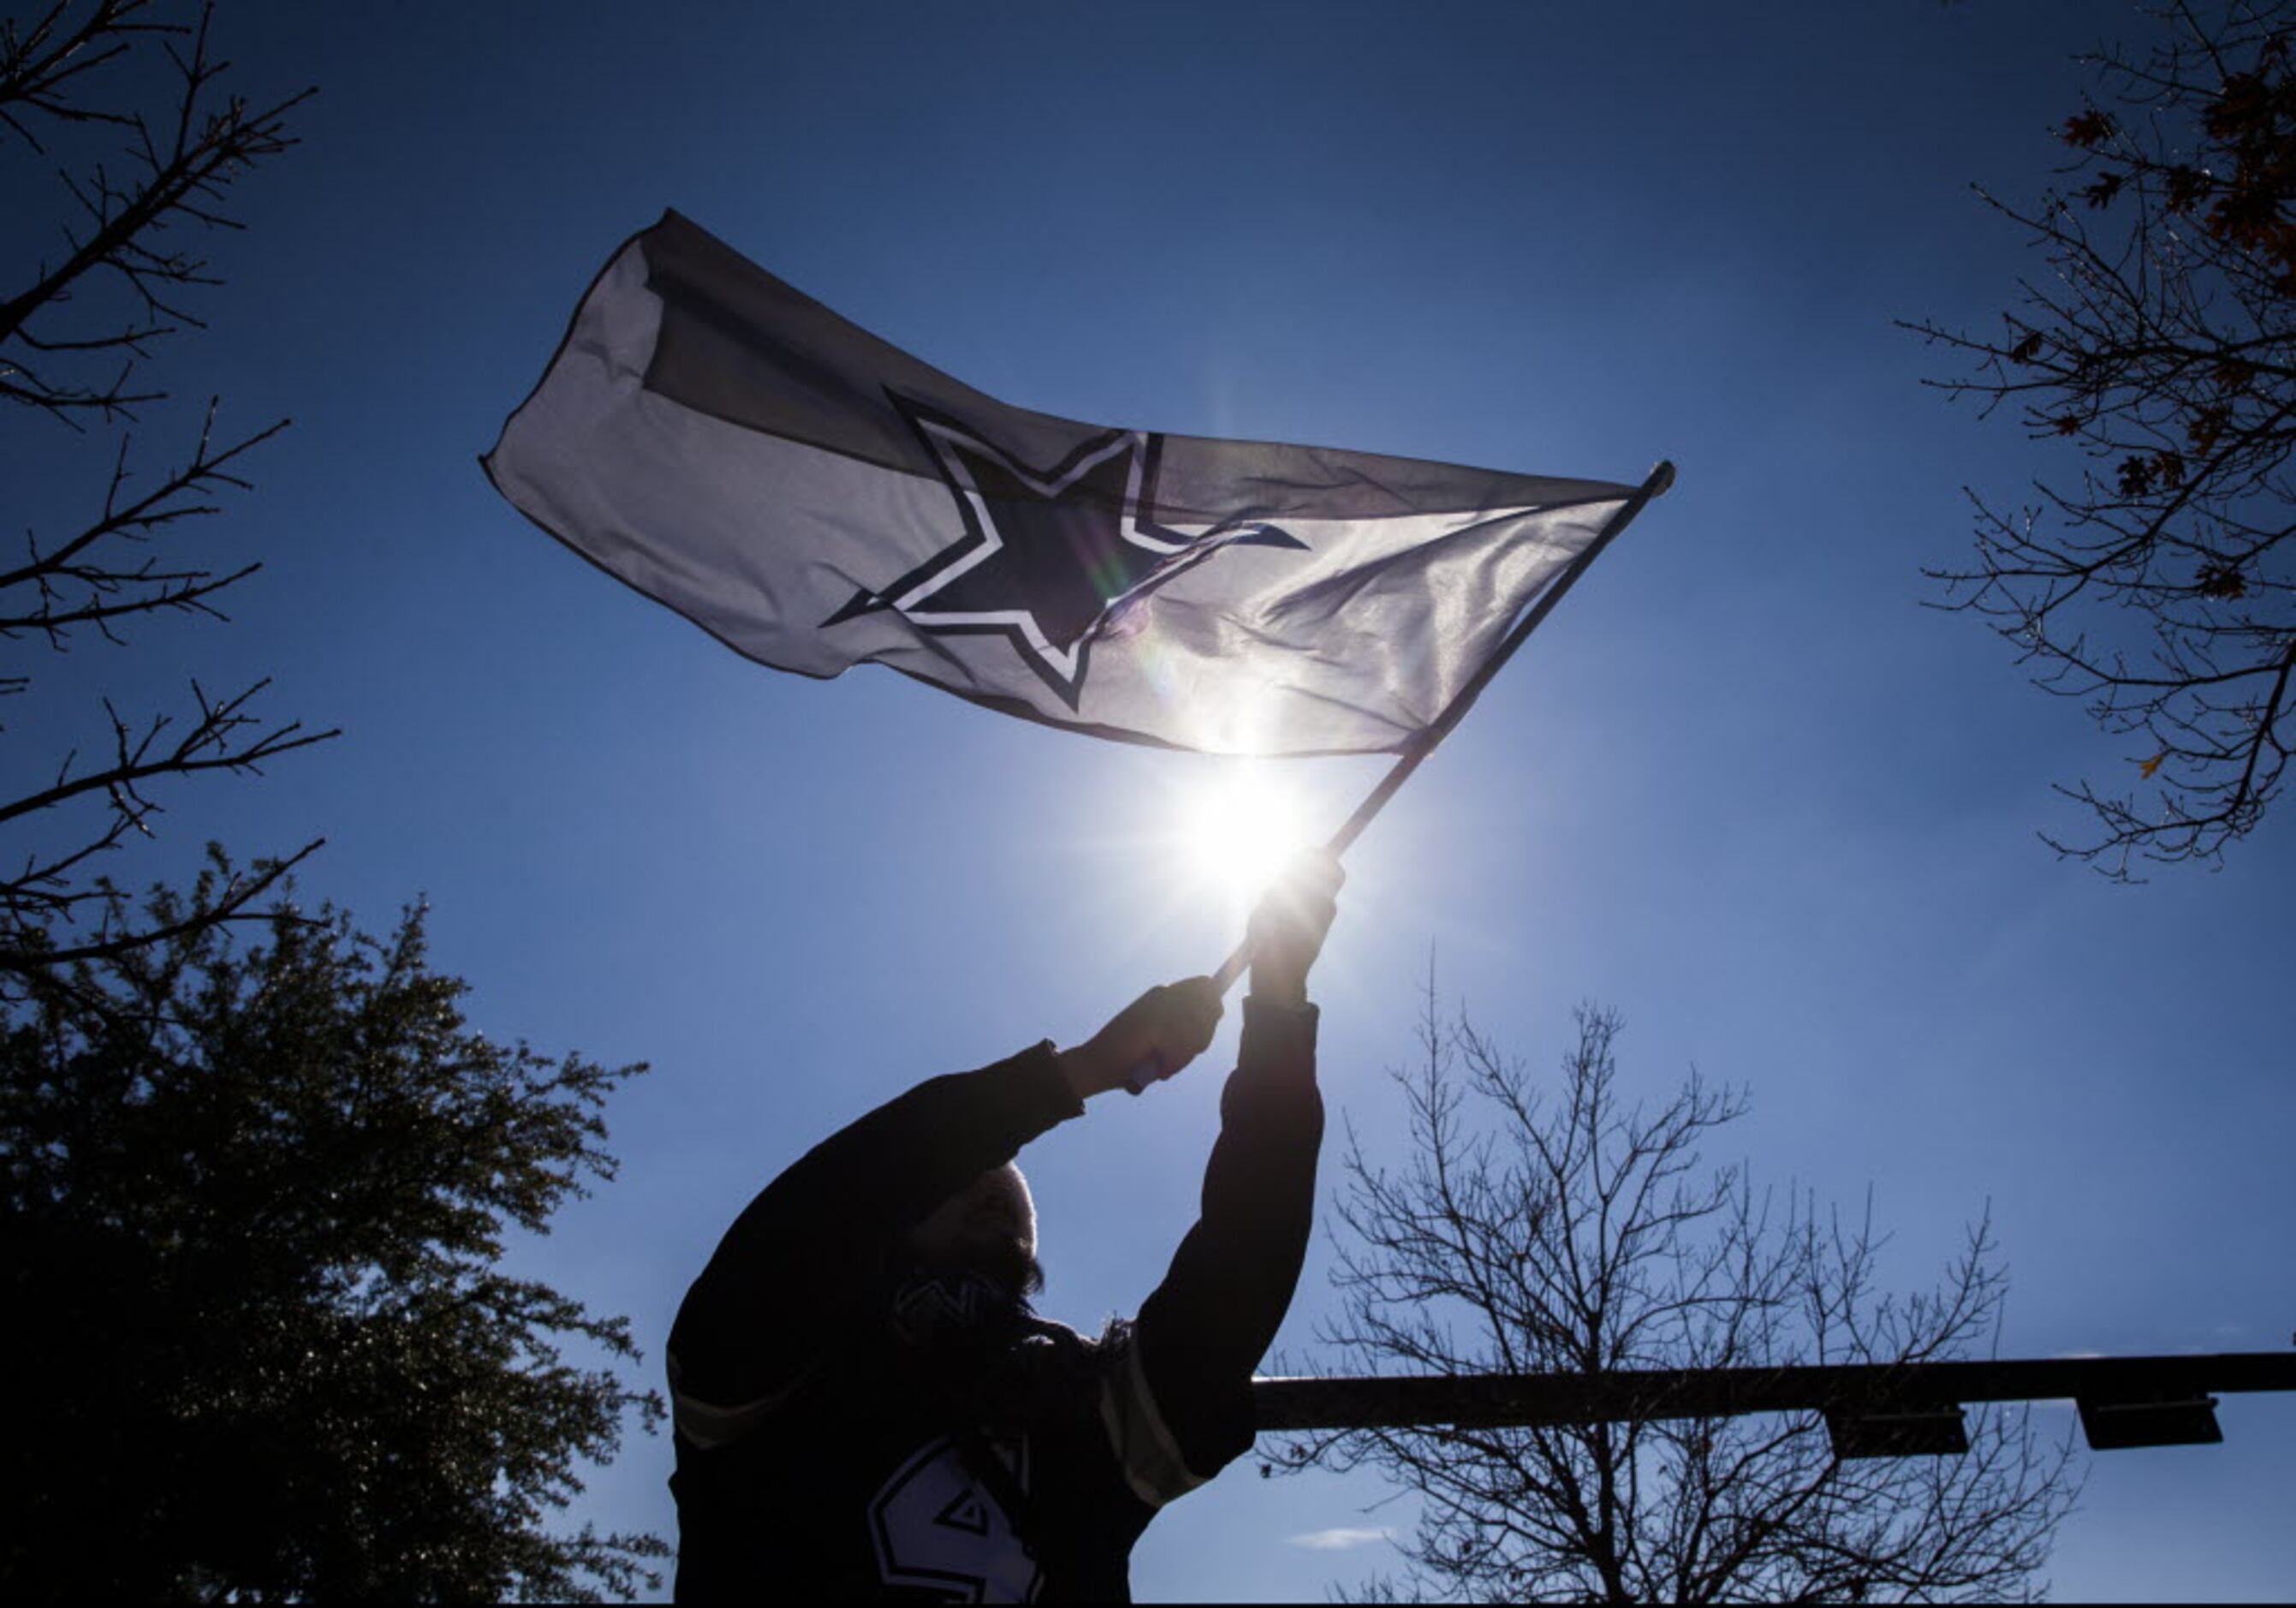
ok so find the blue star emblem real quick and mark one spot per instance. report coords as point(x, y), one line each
point(1047, 557)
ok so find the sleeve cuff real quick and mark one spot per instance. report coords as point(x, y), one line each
point(1285, 1029)
point(1146, 1449)
point(1038, 1070)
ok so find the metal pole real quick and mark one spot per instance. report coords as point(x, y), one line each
point(1527, 1401)
point(1425, 742)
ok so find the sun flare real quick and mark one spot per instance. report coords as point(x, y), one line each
point(1242, 829)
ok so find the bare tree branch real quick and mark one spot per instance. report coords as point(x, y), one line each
point(2157, 586)
point(98, 574)
point(69, 353)
point(39, 61)
point(176, 173)
point(1572, 1232)
point(231, 895)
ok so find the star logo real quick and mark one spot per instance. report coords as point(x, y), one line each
point(1047, 557)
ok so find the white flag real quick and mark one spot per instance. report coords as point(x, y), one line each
point(815, 498)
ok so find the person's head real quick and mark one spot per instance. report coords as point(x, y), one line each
point(989, 1226)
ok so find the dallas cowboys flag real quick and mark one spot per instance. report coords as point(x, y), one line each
point(815, 498)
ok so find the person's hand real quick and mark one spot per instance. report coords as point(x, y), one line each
point(1163, 1030)
point(1287, 930)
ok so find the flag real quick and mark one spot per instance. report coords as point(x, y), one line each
point(816, 498)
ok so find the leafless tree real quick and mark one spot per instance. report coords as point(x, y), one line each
point(2155, 580)
point(1530, 1232)
point(143, 172)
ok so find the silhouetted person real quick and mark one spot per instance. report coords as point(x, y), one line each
point(867, 1406)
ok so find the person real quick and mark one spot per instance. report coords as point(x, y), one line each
point(865, 1404)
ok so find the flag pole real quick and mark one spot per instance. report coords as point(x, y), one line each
point(1415, 753)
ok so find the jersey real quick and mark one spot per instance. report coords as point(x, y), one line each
point(853, 1426)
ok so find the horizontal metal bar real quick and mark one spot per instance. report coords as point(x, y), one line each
point(1493, 1400)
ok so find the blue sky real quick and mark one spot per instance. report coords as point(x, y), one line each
point(1742, 787)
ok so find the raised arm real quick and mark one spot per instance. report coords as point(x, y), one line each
point(1179, 1407)
point(752, 1327)
point(814, 1237)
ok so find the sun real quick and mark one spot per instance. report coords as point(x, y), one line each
point(1242, 828)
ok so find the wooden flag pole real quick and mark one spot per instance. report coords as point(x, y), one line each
point(1424, 743)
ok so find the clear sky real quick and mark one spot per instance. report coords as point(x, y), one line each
point(1743, 786)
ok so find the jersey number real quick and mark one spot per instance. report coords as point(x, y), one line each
point(938, 1527)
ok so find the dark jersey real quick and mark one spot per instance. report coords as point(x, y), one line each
point(852, 1426)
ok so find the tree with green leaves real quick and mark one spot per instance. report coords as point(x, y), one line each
point(1531, 1228)
point(2153, 576)
point(258, 1191)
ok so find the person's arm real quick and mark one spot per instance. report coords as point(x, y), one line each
point(1177, 1407)
point(808, 1245)
point(750, 1328)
